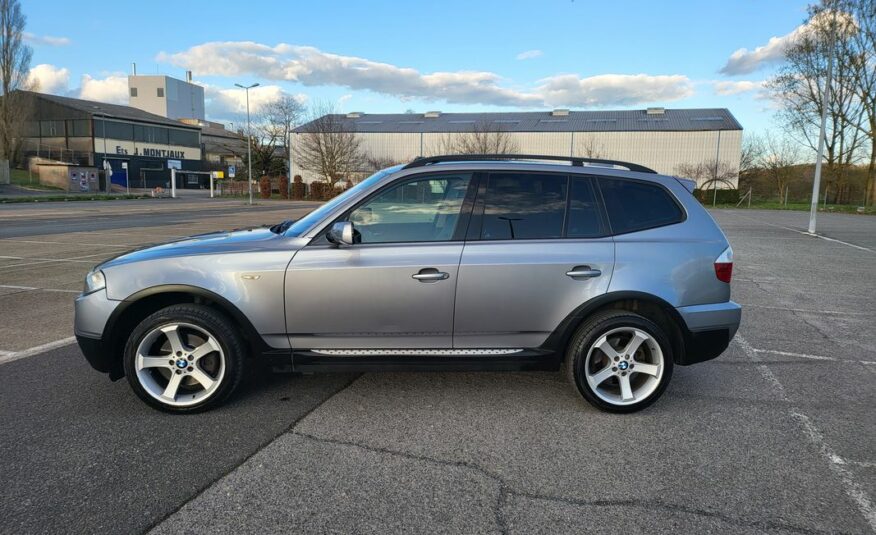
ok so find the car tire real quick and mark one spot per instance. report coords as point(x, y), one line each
point(629, 373)
point(185, 358)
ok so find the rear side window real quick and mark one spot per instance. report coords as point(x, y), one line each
point(524, 206)
point(633, 205)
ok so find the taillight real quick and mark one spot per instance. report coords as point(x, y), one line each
point(724, 265)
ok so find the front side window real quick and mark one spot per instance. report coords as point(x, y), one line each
point(421, 210)
point(524, 206)
point(632, 205)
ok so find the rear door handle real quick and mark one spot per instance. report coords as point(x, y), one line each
point(583, 272)
point(430, 275)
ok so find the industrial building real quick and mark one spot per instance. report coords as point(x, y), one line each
point(166, 96)
point(140, 147)
point(162, 128)
point(670, 141)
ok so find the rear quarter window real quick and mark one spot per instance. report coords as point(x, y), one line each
point(633, 205)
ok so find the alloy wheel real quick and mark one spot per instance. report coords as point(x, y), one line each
point(624, 366)
point(179, 364)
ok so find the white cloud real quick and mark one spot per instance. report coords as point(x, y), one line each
point(529, 54)
point(47, 40)
point(230, 104)
point(614, 89)
point(745, 61)
point(49, 79)
point(112, 89)
point(310, 66)
point(726, 88)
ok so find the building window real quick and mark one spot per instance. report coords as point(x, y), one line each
point(52, 128)
point(160, 92)
point(133, 91)
point(184, 138)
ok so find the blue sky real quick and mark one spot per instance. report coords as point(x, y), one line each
point(448, 55)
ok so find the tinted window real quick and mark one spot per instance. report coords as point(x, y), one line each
point(114, 130)
point(585, 220)
point(421, 210)
point(520, 206)
point(633, 205)
point(185, 138)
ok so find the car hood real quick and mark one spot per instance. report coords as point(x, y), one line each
point(236, 241)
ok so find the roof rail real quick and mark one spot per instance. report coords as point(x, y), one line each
point(574, 160)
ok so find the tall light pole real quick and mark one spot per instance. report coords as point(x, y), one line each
point(816, 181)
point(249, 138)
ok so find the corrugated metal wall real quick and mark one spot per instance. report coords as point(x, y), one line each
point(664, 152)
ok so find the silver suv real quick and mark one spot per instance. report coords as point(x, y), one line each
point(604, 268)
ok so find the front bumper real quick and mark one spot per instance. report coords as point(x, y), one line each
point(91, 315)
point(710, 328)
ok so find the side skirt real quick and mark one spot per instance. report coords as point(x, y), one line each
point(420, 360)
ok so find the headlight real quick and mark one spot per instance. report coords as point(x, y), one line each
point(94, 281)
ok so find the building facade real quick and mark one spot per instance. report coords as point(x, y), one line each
point(140, 147)
point(670, 141)
point(166, 96)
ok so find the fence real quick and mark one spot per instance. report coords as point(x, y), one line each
point(31, 148)
point(316, 191)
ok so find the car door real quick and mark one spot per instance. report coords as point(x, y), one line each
point(395, 286)
point(537, 248)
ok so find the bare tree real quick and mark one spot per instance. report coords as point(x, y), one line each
point(590, 147)
point(328, 145)
point(376, 163)
point(709, 174)
point(14, 68)
point(485, 138)
point(799, 87)
point(780, 155)
point(279, 117)
point(860, 52)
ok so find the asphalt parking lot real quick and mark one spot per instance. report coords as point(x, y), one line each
point(778, 435)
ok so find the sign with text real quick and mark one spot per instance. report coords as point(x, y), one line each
point(152, 150)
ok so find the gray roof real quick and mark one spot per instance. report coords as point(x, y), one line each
point(671, 120)
point(112, 111)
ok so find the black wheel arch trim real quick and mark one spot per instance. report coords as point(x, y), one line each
point(558, 340)
point(111, 337)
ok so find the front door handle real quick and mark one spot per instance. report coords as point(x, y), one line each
point(430, 275)
point(583, 272)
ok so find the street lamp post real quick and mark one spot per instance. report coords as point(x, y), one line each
point(249, 138)
point(816, 180)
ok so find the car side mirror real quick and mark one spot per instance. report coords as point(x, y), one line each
point(341, 234)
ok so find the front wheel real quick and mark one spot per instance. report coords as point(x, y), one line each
point(184, 358)
point(619, 361)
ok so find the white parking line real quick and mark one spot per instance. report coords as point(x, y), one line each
point(808, 356)
point(830, 239)
point(836, 463)
point(36, 350)
point(32, 288)
point(16, 240)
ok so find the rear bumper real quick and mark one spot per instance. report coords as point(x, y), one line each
point(710, 328)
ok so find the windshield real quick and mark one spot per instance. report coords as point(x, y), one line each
point(302, 225)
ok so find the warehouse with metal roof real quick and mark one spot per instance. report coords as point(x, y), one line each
point(671, 141)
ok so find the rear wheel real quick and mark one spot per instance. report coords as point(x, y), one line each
point(619, 361)
point(184, 358)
